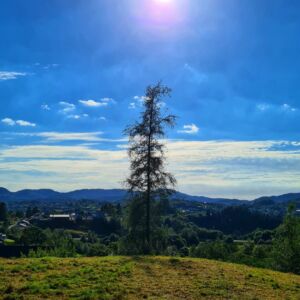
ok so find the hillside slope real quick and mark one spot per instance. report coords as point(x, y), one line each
point(141, 278)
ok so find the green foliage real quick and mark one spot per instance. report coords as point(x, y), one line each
point(134, 242)
point(120, 230)
point(287, 244)
point(3, 212)
point(214, 250)
point(148, 178)
point(33, 236)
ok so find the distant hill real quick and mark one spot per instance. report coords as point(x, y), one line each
point(118, 195)
point(203, 199)
point(278, 199)
point(113, 195)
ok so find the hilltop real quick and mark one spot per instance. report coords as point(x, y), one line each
point(141, 278)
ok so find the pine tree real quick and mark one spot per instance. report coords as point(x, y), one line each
point(3, 211)
point(148, 177)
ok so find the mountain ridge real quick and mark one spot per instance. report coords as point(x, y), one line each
point(117, 195)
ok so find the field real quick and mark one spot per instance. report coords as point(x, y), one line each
point(141, 278)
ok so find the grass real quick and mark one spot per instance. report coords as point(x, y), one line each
point(9, 242)
point(141, 278)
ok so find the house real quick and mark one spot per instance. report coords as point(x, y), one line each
point(70, 217)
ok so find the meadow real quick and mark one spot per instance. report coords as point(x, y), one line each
point(141, 277)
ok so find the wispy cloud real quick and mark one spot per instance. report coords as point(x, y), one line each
point(264, 107)
point(70, 136)
point(194, 74)
point(77, 117)
point(57, 137)
point(45, 107)
point(7, 75)
point(189, 129)
point(287, 107)
point(11, 122)
point(108, 100)
point(67, 107)
point(213, 168)
point(132, 105)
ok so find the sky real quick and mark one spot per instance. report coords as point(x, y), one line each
point(73, 74)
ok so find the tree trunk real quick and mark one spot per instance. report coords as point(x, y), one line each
point(148, 197)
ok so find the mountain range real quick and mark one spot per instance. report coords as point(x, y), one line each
point(117, 195)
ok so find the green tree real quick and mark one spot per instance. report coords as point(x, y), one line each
point(287, 243)
point(33, 236)
point(3, 212)
point(148, 179)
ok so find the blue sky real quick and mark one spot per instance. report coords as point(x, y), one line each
point(72, 74)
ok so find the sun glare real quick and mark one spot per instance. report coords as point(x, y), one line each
point(161, 16)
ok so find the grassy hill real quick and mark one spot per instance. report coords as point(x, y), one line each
point(141, 278)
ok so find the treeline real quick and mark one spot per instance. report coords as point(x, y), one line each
point(174, 233)
point(277, 249)
point(236, 219)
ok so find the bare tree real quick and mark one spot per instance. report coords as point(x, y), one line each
point(146, 151)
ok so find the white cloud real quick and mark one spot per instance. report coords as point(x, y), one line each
point(67, 107)
point(45, 107)
point(25, 123)
point(93, 103)
point(8, 121)
point(11, 122)
point(140, 99)
point(213, 168)
point(102, 118)
point(138, 102)
point(189, 129)
point(5, 75)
